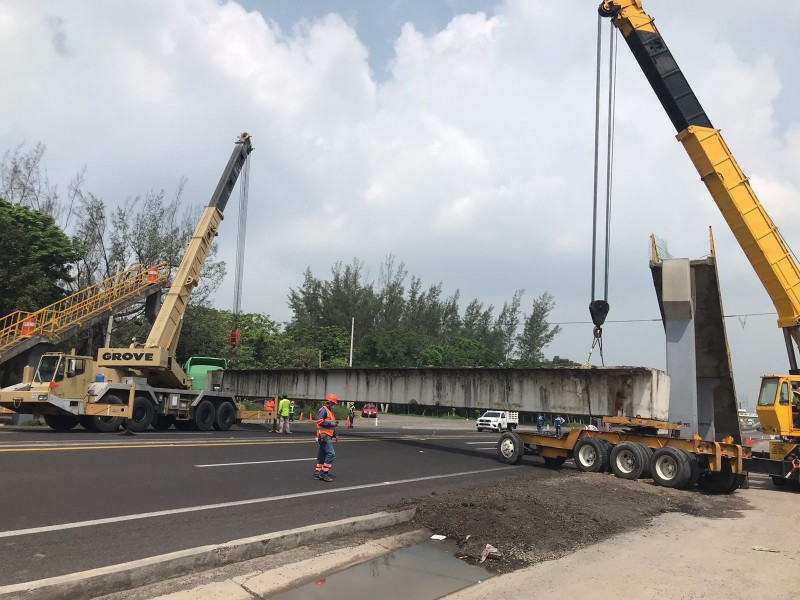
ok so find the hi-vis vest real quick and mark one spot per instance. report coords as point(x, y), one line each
point(328, 417)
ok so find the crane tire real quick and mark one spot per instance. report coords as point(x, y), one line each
point(204, 416)
point(225, 416)
point(61, 422)
point(103, 424)
point(143, 414)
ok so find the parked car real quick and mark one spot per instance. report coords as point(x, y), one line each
point(369, 411)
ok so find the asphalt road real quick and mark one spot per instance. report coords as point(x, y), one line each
point(78, 500)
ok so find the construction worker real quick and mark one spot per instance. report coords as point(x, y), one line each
point(352, 414)
point(326, 432)
point(269, 406)
point(291, 410)
point(283, 414)
point(558, 423)
point(539, 423)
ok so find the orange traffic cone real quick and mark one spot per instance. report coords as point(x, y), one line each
point(309, 417)
point(749, 441)
point(301, 416)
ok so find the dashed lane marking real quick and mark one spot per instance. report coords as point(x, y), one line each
point(163, 513)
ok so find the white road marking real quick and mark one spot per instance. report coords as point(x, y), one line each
point(484, 443)
point(175, 511)
point(255, 462)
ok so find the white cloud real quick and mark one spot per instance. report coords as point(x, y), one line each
point(472, 162)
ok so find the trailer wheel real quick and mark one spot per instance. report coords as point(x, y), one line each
point(553, 462)
point(143, 413)
point(226, 415)
point(647, 459)
point(591, 455)
point(204, 415)
point(510, 448)
point(108, 424)
point(61, 422)
point(670, 467)
point(627, 461)
point(163, 422)
point(694, 472)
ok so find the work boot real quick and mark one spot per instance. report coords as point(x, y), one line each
point(317, 475)
point(326, 477)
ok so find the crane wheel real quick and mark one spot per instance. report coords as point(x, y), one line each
point(226, 415)
point(670, 467)
point(723, 481)
point(163, 422)
point(61, 422)
point(143, 414)
point(204, 416)
point(108, 424)
point(591, 455)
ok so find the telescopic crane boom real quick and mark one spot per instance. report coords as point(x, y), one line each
point(158, 364)
point(751, 225)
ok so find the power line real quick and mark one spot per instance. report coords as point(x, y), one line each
point(659, 319)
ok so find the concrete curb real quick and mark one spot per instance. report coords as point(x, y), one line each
point(115, 578)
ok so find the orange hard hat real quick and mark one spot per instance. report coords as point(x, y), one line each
point(332, 398)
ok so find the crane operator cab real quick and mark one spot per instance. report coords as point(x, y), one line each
point(779, 405)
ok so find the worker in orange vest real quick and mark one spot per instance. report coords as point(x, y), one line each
point(326, 432)
point(269, 406)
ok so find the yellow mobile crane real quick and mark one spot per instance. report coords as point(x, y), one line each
point(751, 226)
point(143, 384)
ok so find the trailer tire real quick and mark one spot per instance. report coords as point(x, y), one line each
point(670, 467)
point(591, 455)
point(204, 416)
point(108, 424)
point(694, 472)
point(510, 448)
point(163, 422)
point(226, 415)
point(184, 424)
point(647, 459)
point(553, 462)
point(61, 422)
point(143, 414)
point(627, 461)
point(724, 481)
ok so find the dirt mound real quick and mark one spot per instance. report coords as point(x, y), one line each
point(540, 514)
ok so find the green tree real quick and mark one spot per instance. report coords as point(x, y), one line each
point(36, 259)
point(537, 333)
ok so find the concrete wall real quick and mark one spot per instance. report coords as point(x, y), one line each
point(628, 391)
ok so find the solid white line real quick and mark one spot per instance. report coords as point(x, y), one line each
point(254, 462)
point(174, 511)
point(489, 442)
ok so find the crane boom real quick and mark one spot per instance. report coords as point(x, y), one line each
point(751, 225)
point(157, 362)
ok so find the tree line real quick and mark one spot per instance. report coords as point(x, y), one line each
point(56, 245)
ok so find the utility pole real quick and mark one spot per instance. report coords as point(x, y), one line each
point(352, 330)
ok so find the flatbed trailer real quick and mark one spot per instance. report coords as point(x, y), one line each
point(636, 449)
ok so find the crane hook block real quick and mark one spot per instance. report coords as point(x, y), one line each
point(599, 310)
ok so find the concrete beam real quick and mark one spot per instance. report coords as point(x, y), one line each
point(625, 391)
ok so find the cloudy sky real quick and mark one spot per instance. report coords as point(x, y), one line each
point(456, 135)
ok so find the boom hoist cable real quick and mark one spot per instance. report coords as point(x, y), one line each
point(598, 309)
point(244, 187)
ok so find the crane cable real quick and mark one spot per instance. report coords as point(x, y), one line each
point(598, 309)
point(244, 187)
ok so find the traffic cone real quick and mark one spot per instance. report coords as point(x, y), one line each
point(301, 416)
point(309, 417)
point(749, 441)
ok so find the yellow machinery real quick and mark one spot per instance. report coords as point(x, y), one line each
point(144, 385)
point(751, 225)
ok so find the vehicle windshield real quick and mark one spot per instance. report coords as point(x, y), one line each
point(50, 369)
point(769, 389)
point(490, 414)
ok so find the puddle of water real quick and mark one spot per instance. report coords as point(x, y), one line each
point(424, 571)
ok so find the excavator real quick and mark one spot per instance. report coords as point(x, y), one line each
point(143, 385)
point(765, 248)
